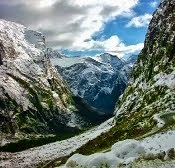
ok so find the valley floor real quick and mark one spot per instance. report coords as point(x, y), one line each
point(42, 155)
point(36, 156)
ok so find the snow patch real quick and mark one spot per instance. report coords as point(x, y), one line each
point(123, 152)
point(55, 95)
point(160, 122)
point(163, 79)
point(159, 142)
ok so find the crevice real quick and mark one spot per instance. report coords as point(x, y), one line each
point(2, 54)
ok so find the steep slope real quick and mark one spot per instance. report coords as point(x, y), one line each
point(100, 80)
point(150, 96)
point(33, 97)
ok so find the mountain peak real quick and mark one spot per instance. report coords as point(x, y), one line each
point(108, 56)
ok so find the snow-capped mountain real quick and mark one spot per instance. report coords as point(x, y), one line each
point(34, 99)
point(142, 133)
point(100, 80)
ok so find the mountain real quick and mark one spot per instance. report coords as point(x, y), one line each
point(34, 99)
point(100, 80)
point(143, 131)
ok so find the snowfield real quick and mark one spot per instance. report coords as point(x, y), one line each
point(163, 79)
point(121, 152)
point(159, 142)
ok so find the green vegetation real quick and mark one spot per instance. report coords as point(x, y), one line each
point(126, 128)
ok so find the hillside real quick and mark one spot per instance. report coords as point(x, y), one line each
point(150, 95)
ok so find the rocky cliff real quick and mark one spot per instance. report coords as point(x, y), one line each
point(33, 97)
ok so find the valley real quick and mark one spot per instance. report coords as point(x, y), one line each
point(102, 111)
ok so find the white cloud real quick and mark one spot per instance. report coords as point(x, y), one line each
point(125, 50)
point(115, 46)
point(66, 23)
point(32, 3)
point(140, 21)
point(154, 4)
point(112, 45)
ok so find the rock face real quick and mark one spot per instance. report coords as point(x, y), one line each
point(149, 100)
point(100, 80)
point(33, 97)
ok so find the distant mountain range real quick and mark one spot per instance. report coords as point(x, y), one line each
point(100, 80)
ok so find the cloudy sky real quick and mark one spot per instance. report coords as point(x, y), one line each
point(85, 27)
